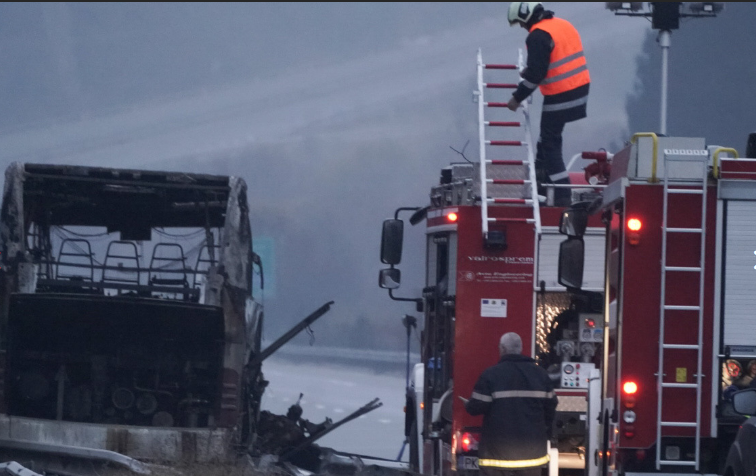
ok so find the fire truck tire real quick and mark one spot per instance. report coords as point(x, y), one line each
point(414, 451)
point(604, 462)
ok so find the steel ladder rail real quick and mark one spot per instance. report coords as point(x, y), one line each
point(661, 384)
point(527, 143)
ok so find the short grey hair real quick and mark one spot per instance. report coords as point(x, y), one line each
point(510, 343)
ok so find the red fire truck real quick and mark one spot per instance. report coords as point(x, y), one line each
point(680, 293)
point(491, 268)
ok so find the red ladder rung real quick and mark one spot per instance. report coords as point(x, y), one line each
point(500, 85)
point(507, 162)
point(511, 200)
point(502, 124)
point(504, 142)
point(508, 181)
point(517, 220)
point(500, 66)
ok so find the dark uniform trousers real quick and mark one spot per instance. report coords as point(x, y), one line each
point(549, 161)
point(488, 471)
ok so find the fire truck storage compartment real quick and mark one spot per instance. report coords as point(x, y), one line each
point(739, 273)
point(114, 360)
point(644, 163)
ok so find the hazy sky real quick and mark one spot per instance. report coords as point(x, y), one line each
point(711, 78)
point(334, 114)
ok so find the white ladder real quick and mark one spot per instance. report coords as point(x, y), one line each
point(528, 194)
point(688, 187)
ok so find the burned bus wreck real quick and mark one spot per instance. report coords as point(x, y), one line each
point(126, 313)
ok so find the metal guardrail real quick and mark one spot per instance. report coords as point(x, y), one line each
point(14, 469)
point(654, 153)
point(92, 454)
point(719, 150)
point(344, 353)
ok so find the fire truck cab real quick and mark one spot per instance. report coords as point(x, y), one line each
point(680, 227)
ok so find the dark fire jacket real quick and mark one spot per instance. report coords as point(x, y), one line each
point(518, 404)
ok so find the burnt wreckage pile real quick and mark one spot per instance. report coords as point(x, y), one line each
point(151, 333)
point(128, 322)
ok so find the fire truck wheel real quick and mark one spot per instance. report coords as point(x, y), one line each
point(414, 451)
point(604, 468)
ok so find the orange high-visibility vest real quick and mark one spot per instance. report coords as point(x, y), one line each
point(567, 66)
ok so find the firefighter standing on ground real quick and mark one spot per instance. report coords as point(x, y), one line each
point(517, 401)
point(557, 66)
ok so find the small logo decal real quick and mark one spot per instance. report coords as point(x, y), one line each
point(468, 276)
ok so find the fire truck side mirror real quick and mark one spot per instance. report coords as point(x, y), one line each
point(391, 241)
point(389, 278)
point(744, 401)
point(573, 221)
point(571, 254)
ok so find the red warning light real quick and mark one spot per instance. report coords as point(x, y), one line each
point(452, 217)
point(634, 225)
point(630, 388)
point(469, 442)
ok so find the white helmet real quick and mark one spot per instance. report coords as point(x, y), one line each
point(522, 11)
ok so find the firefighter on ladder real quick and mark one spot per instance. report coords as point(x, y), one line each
point(556, 65)
point(518, 404)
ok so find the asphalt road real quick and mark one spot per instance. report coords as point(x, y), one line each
point(335, 391)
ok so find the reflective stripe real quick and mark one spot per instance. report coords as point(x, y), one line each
point(565, 105)
point(567, 59)
point(514, 463)
point(481, 397)
point(565, 75)
point(523, 394)
point(528, 84)
point(559, 176)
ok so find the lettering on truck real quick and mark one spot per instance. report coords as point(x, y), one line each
point(504, 259)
